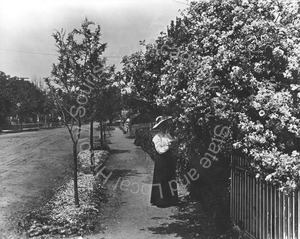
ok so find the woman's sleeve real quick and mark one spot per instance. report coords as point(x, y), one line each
point(158, 145)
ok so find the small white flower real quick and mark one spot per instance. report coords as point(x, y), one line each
point(261, 113)
point(277, 52)
point(256, 105)
point(245, 3)
point(237, 145)
point(294, 87)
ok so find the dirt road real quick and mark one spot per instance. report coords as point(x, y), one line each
point(31, 164)
point(128, 213)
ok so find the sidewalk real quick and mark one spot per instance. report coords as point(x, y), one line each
point(128, 213)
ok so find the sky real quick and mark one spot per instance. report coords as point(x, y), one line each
point(27, 48)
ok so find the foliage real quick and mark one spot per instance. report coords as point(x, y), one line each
point(144, 138)
point(270, 136)
point(141, 118)
point(6, 103)
point(79, 54)
point(236, 64)
point(109, 103)
point(141, 73)
point(19, 97)
point(216, 60)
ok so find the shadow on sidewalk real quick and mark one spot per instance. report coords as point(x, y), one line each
point(120, 173)
point(119, 151)
point(191, 222)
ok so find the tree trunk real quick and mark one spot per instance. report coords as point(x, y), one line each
point(104, 130)
point(101, 133)
point(92, 146)
point(75, 175)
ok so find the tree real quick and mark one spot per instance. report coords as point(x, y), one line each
point(97, 101)
point(108, 103)
point(20, 97)
point(5, 100)
point(79, 67)
point(112, 104)
point(141, 72)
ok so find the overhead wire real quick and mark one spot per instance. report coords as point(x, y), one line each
point(29, 52)
point(45, 54)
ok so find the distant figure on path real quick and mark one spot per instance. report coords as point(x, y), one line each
point(126, 125)
point(164, 188)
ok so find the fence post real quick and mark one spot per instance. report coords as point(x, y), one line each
point(277, 221)
point(247, 190)
point(288, 216)
point(298, 222)
point(257, 206)
point(272, 211)
point(294, 216)
point(231, 188)
point(252, 206)
point(284, 216)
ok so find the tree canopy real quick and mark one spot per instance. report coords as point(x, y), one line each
point(19, 97)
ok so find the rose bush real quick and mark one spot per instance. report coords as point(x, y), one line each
point(245, 58)
point(269, 136)
point(236, 64)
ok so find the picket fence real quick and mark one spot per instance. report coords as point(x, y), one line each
point(265, 212)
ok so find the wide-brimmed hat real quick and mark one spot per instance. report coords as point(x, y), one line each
point(160, 119)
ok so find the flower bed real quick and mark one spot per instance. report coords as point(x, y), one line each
point(59, 217)
point(100, 156)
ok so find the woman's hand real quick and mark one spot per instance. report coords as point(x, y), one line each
point(176, 140)
point(173, 143)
